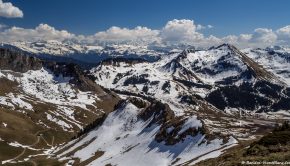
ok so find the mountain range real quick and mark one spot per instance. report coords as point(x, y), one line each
point(66, 103)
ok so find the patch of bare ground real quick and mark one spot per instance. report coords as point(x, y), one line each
point(273, 146)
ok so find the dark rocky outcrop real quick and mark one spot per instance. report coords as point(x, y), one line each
point(260, 96)
point(17, 61)
point(140, 79)
point(161, 114)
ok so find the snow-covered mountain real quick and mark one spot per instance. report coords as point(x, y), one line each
point(275, 59)
point(178, 108)
point(44, 104)
point(203, 73)
point(93, 54)
point(204, 92)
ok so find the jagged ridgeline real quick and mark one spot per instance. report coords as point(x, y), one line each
point(154, 107)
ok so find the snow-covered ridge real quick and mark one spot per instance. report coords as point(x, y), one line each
point(126, 140)
point(215, 65)
point(84, 53)
point(209, 74)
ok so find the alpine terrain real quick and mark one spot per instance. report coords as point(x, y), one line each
point(63, 103)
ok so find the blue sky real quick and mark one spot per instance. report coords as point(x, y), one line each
point(89, 16)
point(245, 22)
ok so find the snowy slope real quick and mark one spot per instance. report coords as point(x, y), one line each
point(127, 140)
point(43, 105)
point(186, 73)
point(42, 85)
point(149, 79)
point(215, 65)
point(185, 107)
point(275, 59)
point(216, 85)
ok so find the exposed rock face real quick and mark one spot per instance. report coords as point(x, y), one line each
point(261, 96)
point(18, 62)
point(159, 111)
point(257, 70)
point(79, 78)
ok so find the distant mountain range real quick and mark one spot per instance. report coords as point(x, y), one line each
point(81, 54)
point(136, 105)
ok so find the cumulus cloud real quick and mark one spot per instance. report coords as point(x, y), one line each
point(264, 35)
point(284, 35)
point(261, 37)
point(174, 32)
point(41, 32)
point(117, 34)
point(284, 31)
point(185, 32)
point(179, 31)
point(9, 11)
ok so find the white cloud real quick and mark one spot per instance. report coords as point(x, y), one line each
point(261, 37)
point(200, 27)
point(9, 11)
point(209, 26)
point(284, 31)
point(245, 37)
point(264, 35)
point(173, 33)
point(186, 32)
point(41, 32)
point(117, 34)
point(284, 35)
point(179, 31)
